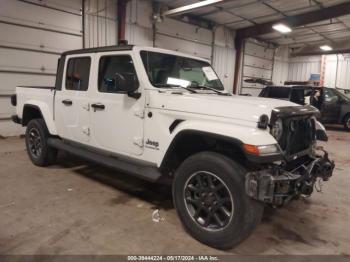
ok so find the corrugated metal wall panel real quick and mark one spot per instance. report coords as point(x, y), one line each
point(224, 56)
point(280, 72)
point(337, 73)
point(183, 37)
point(331, 76)
point(138, 29)
point(100, 23)
point(343, 76)
point(137, 35)
point(224, 65)
point(300, 68)
point(281, 66)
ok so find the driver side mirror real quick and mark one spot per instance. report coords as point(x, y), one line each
point(127, 83)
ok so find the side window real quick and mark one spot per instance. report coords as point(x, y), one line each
point(330, 96)
point(115, 73)
point(78, 73)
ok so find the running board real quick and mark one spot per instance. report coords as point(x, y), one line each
point(147, 172)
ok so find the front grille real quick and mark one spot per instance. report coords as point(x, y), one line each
point(298, 134)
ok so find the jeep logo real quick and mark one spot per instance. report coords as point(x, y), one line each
point(152, 143)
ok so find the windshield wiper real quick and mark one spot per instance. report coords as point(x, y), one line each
point(172, 85)
point(210, 88)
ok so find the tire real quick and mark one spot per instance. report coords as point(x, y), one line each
point(36, 142)
point(245, 213)
point(347, 123)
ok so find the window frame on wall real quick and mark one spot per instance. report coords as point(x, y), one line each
point(99, 76)
point(85, 88)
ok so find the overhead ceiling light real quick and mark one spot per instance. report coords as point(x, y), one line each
point(192, 7)
point(282, 28)
point(326, 48)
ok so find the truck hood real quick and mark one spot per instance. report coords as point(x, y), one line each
point(244, 108)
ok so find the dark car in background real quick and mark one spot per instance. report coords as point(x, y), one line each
point(333, 104)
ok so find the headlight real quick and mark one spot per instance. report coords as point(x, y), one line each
point(277, 129)
point(262, 150)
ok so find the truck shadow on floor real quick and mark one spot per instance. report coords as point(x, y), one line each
point(275, 229)
point(158, 194)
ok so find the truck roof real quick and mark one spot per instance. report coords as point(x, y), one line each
point(99, 49)
point(128, 48)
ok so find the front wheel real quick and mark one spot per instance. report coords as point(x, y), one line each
point(36, 142)
point(210, 199)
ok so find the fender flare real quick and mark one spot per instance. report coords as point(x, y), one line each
point(185, 132)
point(45, 113)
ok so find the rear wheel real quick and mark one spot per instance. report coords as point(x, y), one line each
point(36, 142)
point(347, 122)
point(210, 199)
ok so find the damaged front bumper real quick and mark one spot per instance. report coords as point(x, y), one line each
point(277, 186)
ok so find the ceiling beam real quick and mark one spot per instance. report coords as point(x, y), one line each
point(297, 20)
point(192, 7)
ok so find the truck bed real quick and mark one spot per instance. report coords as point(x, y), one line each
point(34, 95)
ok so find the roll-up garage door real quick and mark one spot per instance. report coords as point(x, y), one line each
point(33, 34)
point(179, 36)
point(257, 64)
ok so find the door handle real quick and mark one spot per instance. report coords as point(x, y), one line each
point(98, 106)
point(67, 102)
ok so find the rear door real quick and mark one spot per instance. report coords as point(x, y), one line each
point(72, 101)
point(116, 118)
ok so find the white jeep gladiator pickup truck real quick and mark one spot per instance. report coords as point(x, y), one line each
point(156, 113)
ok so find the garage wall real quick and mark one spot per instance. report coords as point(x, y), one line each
point(258, 62)
point(281, 66)
point(32, 37)
point(224, 56)
point(183, 37)
point(337, 68)
point(300, 68)
point(337, 73)
point(179, 36)
point(138, 29)
point(100, 23)
point(34, 33)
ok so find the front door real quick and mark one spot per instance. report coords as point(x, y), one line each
point(331, 106)
point(72, 101)
point(116, 118)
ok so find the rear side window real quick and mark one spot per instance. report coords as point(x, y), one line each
point(78, 73)
point(113, 67)
point(278, 92)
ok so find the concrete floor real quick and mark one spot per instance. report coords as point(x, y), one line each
point(79, 208)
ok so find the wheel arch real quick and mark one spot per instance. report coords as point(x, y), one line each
point(41, 111)
point(189, 142)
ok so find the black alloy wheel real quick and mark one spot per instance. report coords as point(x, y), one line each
point(37, 135)
point(208, 200)
point(34, 142)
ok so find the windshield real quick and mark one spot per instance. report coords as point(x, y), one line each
point(166, 70)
